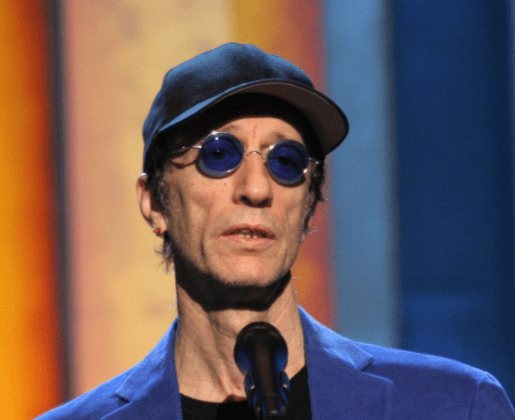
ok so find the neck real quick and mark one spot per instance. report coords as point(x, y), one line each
point(205, 341)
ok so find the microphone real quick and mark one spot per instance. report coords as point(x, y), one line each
point(261, 355)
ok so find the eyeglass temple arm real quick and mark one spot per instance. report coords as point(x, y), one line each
point(184, 148)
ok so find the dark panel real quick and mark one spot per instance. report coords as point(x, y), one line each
point(62, 190)
point(455, 133)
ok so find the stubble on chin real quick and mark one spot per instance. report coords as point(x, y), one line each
point(216, 294)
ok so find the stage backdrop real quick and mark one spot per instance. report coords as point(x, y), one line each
point(427, 168)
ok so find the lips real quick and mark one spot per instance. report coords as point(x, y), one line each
point(250, 232)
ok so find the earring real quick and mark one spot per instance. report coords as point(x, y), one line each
point(157, 231)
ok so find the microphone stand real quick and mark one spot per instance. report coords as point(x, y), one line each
point(261, 355)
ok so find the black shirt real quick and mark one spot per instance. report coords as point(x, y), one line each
point(299, 406)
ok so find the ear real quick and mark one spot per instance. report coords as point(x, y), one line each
point(153, 217)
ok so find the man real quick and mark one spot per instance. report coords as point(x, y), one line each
point(235, 143)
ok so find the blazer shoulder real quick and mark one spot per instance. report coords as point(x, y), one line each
point(143, 380)
point(438, 385)
point(91, 405)
point(400, 362)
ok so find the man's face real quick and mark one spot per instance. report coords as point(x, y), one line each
point(245, 228)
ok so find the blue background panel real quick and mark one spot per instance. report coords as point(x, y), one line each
point(454, 108)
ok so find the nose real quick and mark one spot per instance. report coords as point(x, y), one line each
point(253, 182)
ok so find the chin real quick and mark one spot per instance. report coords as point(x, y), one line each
point(215, 293)
point(254, 294)
point(234, 283)
point(244, 280)
point(249, 271)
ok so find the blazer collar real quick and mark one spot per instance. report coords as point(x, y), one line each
point(339, 387)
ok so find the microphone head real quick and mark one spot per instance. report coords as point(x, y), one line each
point(261, 354)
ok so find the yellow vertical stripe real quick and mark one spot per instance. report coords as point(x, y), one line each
point(29, 356)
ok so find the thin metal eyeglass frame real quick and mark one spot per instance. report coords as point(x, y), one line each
point(222, 174)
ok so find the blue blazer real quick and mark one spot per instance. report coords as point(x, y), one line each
point(347, 380)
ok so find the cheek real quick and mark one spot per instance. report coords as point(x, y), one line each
point(184, 212)
point(308, 204)
point(191, 206)
point(296, 215)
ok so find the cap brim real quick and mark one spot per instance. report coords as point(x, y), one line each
point(326, 118)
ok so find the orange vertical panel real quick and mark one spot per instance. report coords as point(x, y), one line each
point(293, 29)
point(29, 353)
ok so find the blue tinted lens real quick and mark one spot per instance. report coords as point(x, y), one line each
point(220, 154)
point(287, 161)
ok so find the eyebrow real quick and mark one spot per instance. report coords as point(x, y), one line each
point(277, 135)
point(228, 126)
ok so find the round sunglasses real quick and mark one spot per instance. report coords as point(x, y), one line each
point(222, 153)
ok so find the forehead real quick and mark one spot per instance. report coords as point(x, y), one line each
point(268, 129)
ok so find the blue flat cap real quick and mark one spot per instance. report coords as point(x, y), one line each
point(197, 85)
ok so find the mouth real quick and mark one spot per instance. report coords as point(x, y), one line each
point(250, 232)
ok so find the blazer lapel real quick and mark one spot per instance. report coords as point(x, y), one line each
point(151, 390)
point(338, 386)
